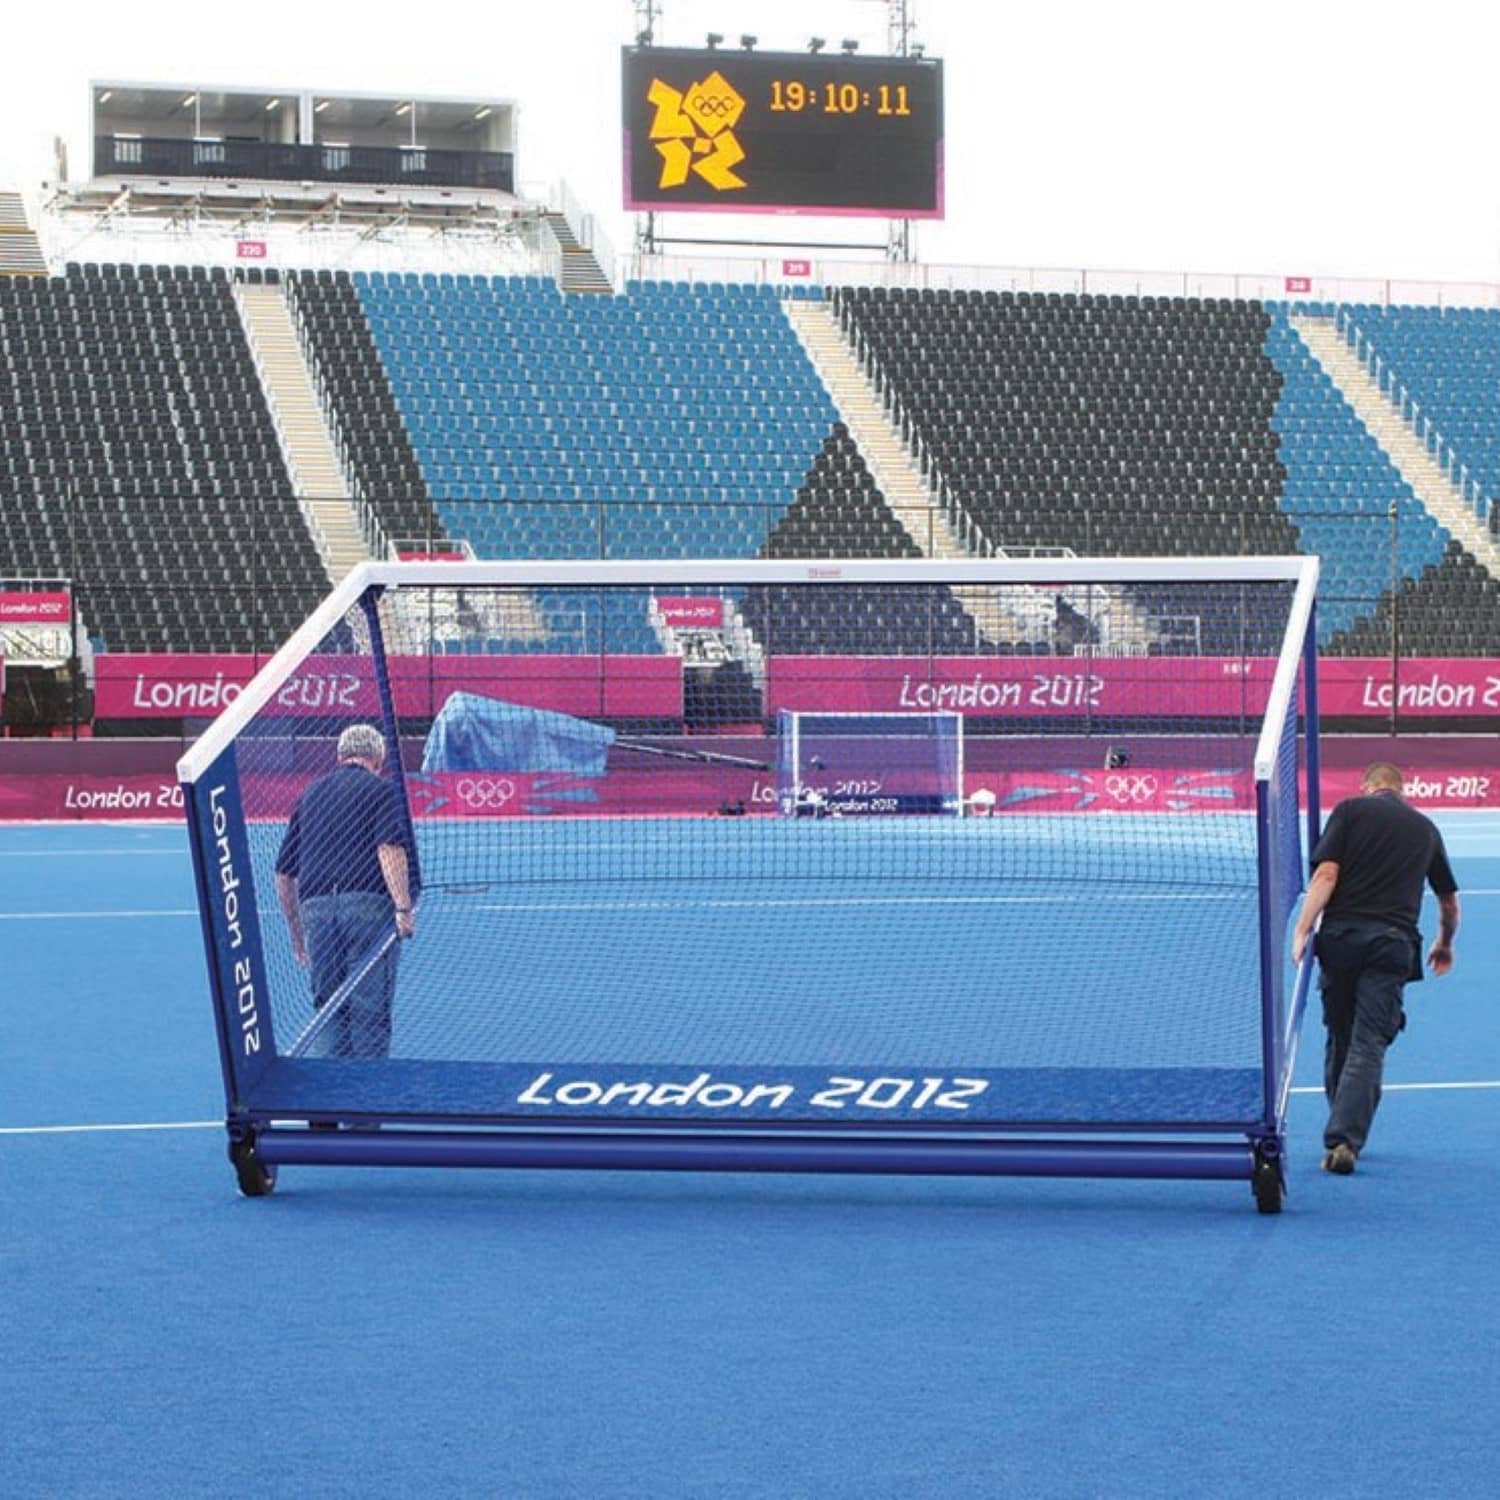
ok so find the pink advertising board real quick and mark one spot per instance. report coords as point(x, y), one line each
point(129, 686)
point(35, 607)
point(197, 686)
point(1432, 783)
point(1067, 687)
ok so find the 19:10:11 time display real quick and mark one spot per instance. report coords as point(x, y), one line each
point(839, 98)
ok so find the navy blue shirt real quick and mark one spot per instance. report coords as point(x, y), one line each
point(339, 823)
point(1385, 849)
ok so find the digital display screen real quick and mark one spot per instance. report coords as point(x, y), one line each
point(783, 132)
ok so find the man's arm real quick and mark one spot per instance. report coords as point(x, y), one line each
point(1319, 893)
point(1440, 955)
point(291, 909)
point(393, 868)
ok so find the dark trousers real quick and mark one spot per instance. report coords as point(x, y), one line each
point(1364, 968)
point(342, 932)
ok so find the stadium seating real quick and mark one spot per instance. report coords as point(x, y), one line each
point(1448, 361)
point(676, 420)
point(1339, 489)
point(1104, 425)
point(1115, 425)
point(838, 511)
point(139, 457)
point(685, 420)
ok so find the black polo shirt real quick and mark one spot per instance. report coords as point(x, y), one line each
point(336, 828)
point(1384, 849)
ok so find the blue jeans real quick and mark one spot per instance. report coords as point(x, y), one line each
point(341, 932)
point(1364, 968)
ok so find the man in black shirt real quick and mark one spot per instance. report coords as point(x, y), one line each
point(1370, 866)
point(342, 877)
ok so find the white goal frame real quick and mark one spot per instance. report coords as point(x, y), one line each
point(720, 573)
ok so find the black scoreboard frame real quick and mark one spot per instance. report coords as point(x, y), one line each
point(720, 131)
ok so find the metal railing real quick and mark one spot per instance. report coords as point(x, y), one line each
point(274, 161)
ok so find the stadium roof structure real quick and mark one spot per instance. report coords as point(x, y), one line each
point(275, 133)
point(297, 173)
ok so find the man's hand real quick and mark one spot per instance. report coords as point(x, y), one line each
point(1319, 893)
point(406, 923)
point(1440, 957)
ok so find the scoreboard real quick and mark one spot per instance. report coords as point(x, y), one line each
point(783, 132)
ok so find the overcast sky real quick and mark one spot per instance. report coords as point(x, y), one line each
point(1296, 137)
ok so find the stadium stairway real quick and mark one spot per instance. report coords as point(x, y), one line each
point(20, 250)
point(1429, 480)
point(306, 444)
point(360, 410)
point(581, 272)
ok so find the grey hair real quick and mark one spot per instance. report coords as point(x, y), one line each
point(362, 742)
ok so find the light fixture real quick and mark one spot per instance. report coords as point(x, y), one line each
point(480, 114)
point(190, 101)
point(643, 38)
point(271, 104)
point(919, 49)
point(816, 44)
point(713, 39)
point(850, 45)
point(403, 109)
point(748, 42)
point(106, 96)
point(321, 105)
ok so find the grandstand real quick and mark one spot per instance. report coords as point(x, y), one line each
point(512, 390)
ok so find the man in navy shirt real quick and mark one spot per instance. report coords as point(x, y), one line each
point(343, 880)
point(1370, 865)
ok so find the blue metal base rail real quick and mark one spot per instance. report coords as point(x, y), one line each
point(556, 1151)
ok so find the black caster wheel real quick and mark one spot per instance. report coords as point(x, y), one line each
point(1266, 1183)
point(257, 1179)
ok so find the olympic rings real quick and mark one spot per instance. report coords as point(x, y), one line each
point(485, 793)
point(1135, 789)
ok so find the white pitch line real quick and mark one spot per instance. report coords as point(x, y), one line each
point(58, 916)
point(89, 853)
point(97, 1129)
point(801, 901)
point(1418, 1088)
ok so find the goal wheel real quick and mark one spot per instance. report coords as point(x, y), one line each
point(1270, 1191)
point(256, 1178)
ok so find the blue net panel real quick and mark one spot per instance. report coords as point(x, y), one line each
point(1041, 902)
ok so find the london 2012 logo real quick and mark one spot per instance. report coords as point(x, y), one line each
point(694, 132)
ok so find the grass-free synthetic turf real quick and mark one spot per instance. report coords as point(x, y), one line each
point(375, 1333)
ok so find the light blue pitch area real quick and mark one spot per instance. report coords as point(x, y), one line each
point(388, 1333)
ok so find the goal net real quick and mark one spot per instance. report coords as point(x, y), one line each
point(852, 764)
point(516, 842)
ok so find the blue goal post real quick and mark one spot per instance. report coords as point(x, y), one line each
point(936, 866)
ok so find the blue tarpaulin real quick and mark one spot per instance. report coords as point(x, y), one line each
point(484, 734)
